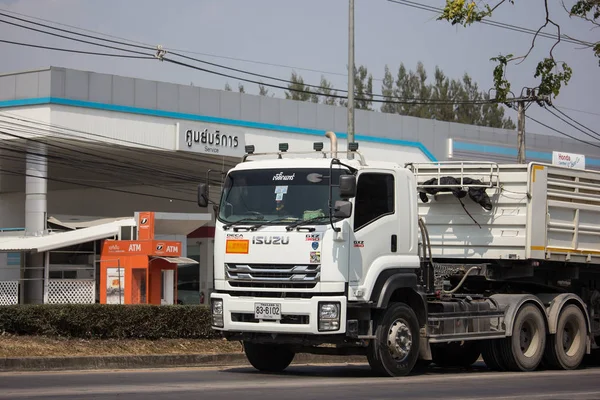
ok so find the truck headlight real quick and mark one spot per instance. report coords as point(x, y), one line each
point(329, 316)
point(217, 312)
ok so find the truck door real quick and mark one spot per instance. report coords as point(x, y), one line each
point(374, 223)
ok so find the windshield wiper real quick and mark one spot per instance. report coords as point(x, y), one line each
point(255, 227)
point(249, 219)
point(308, 221)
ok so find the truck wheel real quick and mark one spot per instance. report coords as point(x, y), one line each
point(490, 351)
point(268, 357)
point(566, 348)
point(523, 351)
point(456, 354)
point(395, 350)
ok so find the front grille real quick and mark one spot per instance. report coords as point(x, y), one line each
point(287, 319)
point(273, 275)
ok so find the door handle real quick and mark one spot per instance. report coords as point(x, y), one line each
point(394, 243)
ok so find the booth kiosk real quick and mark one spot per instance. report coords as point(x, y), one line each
point(141, 271)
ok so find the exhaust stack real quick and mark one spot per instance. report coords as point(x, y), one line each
point(333, 139)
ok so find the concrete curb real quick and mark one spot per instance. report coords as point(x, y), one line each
point(153, 361)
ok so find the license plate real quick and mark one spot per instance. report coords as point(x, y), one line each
point(267, 311)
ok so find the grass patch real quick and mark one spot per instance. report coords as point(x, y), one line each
point(41, 346)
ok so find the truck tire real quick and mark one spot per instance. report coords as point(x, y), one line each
point(524, 350)
point(395, 350)
point(566, 349)
point(268, 357)
point(456, 354)
point(490, 351)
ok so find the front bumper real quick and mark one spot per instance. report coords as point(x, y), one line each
point(299, 316)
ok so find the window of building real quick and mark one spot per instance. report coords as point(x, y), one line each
point(188, 278)
point(374, 198)
point(13, 258)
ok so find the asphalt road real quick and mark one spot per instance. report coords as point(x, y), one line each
point(300, 382)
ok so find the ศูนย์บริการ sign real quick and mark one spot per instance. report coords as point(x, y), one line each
point(209, 139)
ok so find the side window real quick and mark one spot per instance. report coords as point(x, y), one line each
point(374, 198)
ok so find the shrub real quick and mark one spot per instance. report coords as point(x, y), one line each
point(108, 321)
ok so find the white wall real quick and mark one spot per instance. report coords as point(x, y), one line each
point(115, 127)
point(162, 132)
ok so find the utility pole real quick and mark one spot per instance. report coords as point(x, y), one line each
point(350, 77)
point(530, 96)
point(521, 132)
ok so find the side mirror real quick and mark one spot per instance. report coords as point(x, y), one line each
point(347, 186)
point(203, 195)
point(342, 209)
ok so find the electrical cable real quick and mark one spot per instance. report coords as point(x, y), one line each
point(497, 24)
point(97, 187)
point(119, 164)
point(74, 51)
point(146, 47)
point(406, 101)
point(70, 163)
point(169, 49)
point(570, 124)
point(102, 140)
point(562, 133)
point(71, 38)
point(577, 122)
point(358, 99)
point(576, 110)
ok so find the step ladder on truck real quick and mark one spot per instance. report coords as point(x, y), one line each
point(439, 262)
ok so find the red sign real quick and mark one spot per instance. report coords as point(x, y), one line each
point(146, 226)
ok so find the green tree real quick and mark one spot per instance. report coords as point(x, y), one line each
point(363, 89)
point(442, 91)
point(387, 90)
point(443, 99)
point(299, 91)
point(550, 73)
point(262, 90)
point(326, 91)
point(241, 88)
point(227, 87)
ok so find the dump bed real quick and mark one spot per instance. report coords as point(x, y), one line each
point(538, 211)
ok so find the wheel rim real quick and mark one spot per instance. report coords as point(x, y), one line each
point(399, 340)
point(529, 339)
point(571, 337)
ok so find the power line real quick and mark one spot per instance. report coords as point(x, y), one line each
point(95, 186)
point(67, 160)
point(577, 122)
point(147, 47)
point(102, 139)
point(185, 50)
point(576, 110)
point(406, 101)
point(409, 101)
point(172, 175)
point(490, 22)
point(75, 51)
point(570, 124)
point(561, 132)
point(71, 38)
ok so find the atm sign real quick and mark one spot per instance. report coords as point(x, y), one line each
point(237, 246)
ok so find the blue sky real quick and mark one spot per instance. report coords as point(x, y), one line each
point(312, 34)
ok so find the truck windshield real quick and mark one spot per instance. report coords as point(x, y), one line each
point(278, 195)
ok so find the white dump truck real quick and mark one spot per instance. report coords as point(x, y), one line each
point(409, 265)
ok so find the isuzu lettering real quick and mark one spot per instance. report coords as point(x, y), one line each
point(406, 264)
